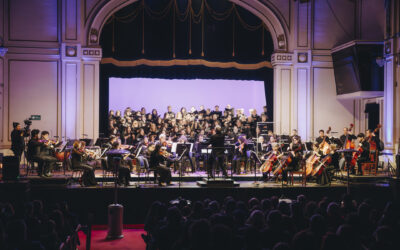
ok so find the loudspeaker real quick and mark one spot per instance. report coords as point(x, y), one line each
point(10, 168)
point(115, 221)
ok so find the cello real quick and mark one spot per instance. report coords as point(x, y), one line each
point(310, 162)
point(283, 163)
point(266, 167)
point(318, 169)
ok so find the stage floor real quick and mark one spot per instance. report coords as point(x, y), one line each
point(138, 197)
point(189, 180)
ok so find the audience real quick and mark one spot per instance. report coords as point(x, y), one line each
point(272, 223)
point(33, 226)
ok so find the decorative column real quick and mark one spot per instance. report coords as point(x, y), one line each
point(3, 123)
point(71, 91)
point(301, 96)
point(283, 66)
point(90, 85)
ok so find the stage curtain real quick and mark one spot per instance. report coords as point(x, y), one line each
point(165, 30)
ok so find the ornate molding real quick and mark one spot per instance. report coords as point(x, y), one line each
point(281, 59)
point(90, 53)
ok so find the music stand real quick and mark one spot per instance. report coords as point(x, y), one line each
point(347, 156)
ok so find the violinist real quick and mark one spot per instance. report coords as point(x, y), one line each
point(77, 156)
point(157, 160)
point(240, 154)
point(47, 152)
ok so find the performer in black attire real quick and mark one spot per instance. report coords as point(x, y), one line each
point(34, 154)
point(47, 153)
point(217, 143)
point(240, 155)
point(124, 173)
point(77, 155)
point(346, 137)
point(157, 161)
point(17, 140)
point(364, 157)
point(321, 137)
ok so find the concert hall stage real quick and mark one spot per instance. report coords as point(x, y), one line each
point(138, 198)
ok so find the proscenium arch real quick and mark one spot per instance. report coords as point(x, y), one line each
point(276, 26)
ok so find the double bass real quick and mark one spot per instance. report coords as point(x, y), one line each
point(349, 144)
point(324, 146)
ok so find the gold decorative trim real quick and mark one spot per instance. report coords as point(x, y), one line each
point(186, 62)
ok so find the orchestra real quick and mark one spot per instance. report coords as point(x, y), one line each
point(211, 140)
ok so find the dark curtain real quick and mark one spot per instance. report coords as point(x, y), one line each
point(212, 30)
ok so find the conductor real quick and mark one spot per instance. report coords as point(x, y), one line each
point(217, 155)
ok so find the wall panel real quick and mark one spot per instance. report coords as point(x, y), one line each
point(71, 24)
point(328, 110)
point(33, 90)
point(302, 101)
point(33, 20)
point(89, 5)
point(89, 99)
point(286, 100)
point(372, 20)
point(333, 23)
point(70, 100)
point(302, 25)
point(2, 19)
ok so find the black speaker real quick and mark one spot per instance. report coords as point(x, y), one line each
point(398, 166)
point(10, 168)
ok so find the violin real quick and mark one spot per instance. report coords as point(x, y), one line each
point(165, 153)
